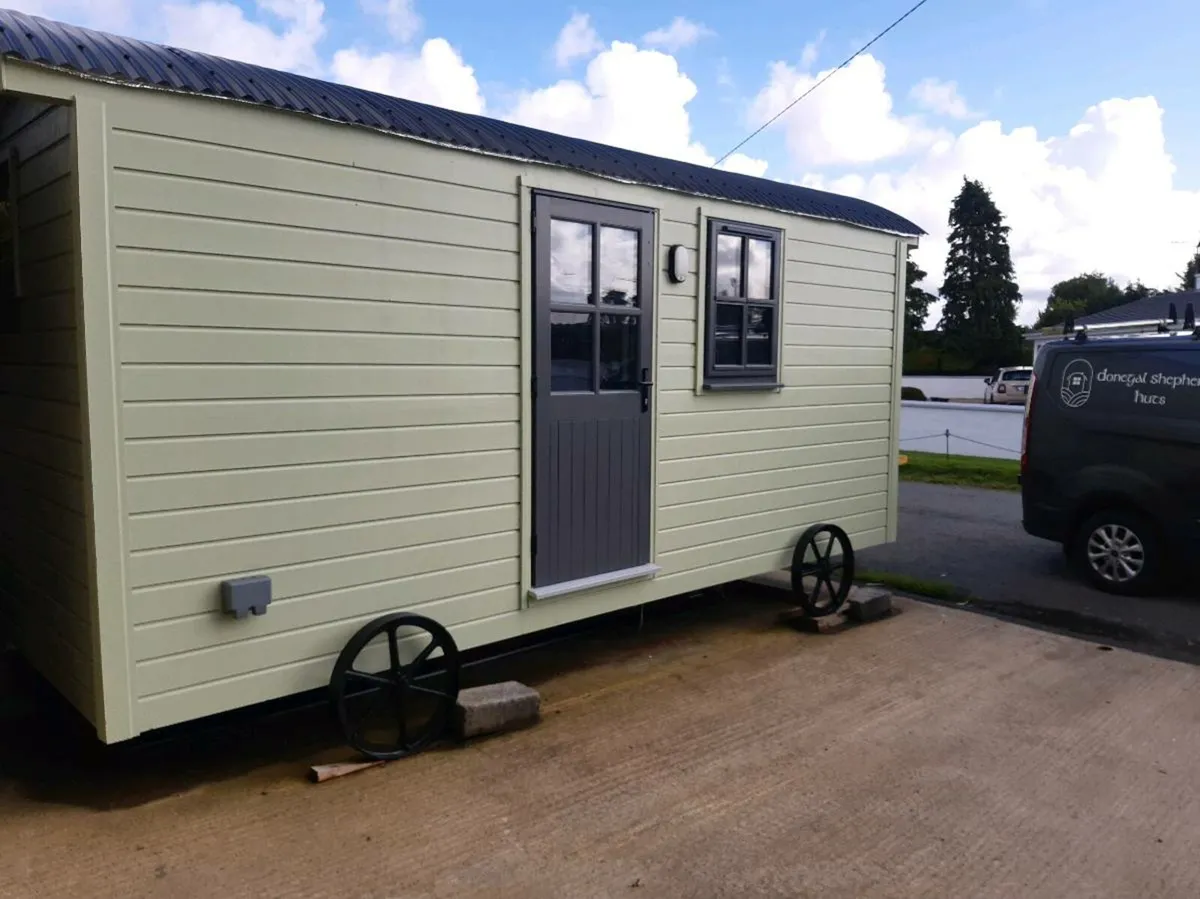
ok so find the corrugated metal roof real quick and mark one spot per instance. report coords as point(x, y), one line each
point(119, 59)
point(1145, 309)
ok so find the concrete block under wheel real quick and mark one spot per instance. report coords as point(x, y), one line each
point(868, 604)
point(863, 605)
point(494, 708)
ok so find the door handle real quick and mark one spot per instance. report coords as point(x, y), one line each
point(645, 384)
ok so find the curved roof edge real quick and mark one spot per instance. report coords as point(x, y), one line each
point(121, 60)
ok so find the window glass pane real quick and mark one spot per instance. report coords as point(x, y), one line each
point(570, 262)
point(619, 352)
point(727, 331)
point(618, 267)
point(728, 280)
point(758, 270)
point(570, 351)
point(760, 325)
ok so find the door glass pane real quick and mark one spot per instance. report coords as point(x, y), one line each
point(728, 333)
point(570, 351)
point(618, 267)
point(729, 266)
point(619, 352)
point(760, 323)
point(570, 262)
point(758, 270)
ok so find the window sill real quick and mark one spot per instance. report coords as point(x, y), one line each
point(608, 579)
point(742, 386)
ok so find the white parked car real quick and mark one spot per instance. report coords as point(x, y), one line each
point(1008, 385)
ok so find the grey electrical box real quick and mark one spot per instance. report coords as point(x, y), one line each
point(242, 595)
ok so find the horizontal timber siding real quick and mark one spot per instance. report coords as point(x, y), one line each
point(741, 474)
point(319, 376)
point(319, 332)
point(44, 601)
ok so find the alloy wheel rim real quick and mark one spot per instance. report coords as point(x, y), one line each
point(1116, 553)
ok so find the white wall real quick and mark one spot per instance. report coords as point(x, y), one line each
point(975, 429)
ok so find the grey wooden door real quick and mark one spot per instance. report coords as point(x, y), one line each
point(593, 334)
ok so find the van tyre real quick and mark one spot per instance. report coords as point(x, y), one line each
point(1118, 552)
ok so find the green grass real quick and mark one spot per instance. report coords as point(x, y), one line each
point(906, 584)
point(963, 471)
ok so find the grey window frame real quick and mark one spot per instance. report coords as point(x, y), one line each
point(742, 377)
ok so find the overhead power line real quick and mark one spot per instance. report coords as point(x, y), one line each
point(828, 75)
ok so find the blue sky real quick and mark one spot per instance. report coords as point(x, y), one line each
point(1027, 62)
point(1080, 117)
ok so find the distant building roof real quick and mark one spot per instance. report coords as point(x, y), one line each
point(1156, 307)
point(119, 59)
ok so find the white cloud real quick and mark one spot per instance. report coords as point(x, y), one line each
point(941, 97)
point(746, 165)
point(437, 75)
point(107, 14)
point(848, 120)
point(629, 98)
point(1100, 197)
point(812, 50)
point(401, 16)
point(578, 39)
point(221, 28)
point(679, 34)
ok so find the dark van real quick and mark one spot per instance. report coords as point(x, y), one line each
point(1110, 457)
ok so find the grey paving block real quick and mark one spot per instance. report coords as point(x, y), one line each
point(493, 708)
point(869, 604)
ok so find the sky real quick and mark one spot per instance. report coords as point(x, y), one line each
point(1078, 115)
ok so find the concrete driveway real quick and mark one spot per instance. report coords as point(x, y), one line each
point(709, 755)
point(972, 539)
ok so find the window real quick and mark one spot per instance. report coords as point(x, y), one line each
point(743, 327)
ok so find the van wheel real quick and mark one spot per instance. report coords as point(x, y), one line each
point(1118, 552)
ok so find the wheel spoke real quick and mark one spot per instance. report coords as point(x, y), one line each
point(418, 663)
point(828, 548)
point(428, 691)
point(401, 717)
point(372, 705)
point(377, 679)
point(424, 654)
point(394, 649)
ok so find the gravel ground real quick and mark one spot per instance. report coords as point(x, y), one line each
point(935, 753)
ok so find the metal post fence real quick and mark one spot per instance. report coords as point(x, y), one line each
point(947, 434)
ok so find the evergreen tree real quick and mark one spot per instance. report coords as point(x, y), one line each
point(916, 303)
point(980, 289)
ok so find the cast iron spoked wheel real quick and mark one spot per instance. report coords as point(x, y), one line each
point(822, 569)
point(394, 686)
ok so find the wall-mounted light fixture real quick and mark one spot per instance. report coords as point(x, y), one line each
point(677, 263)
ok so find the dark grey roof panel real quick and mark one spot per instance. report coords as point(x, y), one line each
point(93, 53)
point(1145, 309)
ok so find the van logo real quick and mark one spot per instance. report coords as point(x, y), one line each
point(1076, 383)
